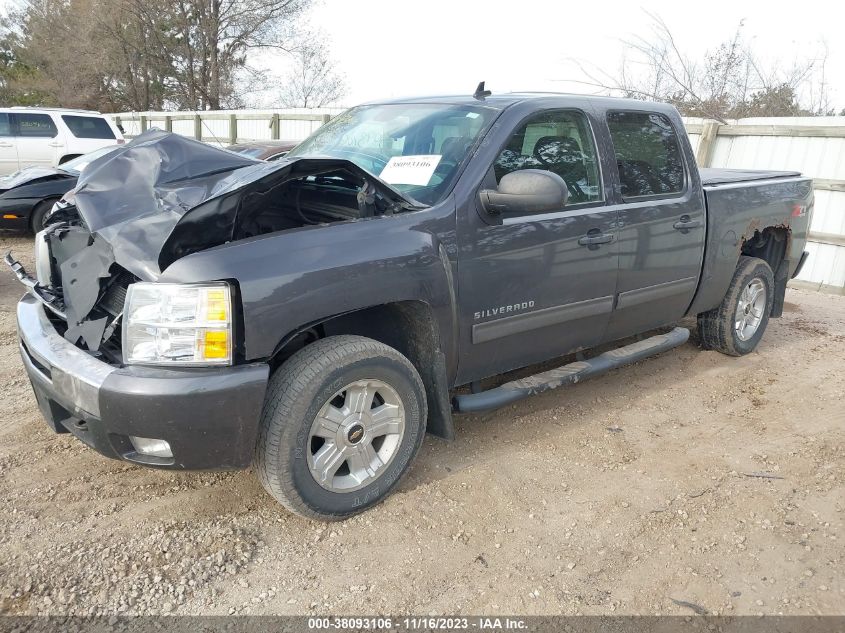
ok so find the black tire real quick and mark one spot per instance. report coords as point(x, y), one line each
point(297, 392)
point(716, 328)
point(36, 218)
point(67, 158)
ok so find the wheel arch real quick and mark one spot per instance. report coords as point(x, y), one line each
point(722, 256)
point(771, 244)
point(408, 326)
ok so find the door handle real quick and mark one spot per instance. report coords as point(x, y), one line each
point(6, 145)
point(55, 144)
point(685, 224)
point(594, 239)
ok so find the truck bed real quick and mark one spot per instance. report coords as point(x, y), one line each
point(741, 204)
point(713, 176)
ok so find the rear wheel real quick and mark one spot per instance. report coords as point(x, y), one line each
point(342, 420)
point(737, 325)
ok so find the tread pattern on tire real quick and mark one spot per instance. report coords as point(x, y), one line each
point(715, 327)
point(298, 374)
point(44, 205)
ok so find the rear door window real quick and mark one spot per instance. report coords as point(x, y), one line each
point(88, 126)
point(648, 154)
point(35, 125)
point(5, 125)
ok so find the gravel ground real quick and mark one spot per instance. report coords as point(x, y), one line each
point(638, 492)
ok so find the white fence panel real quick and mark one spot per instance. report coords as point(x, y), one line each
point(815, 146)
point(294, 124)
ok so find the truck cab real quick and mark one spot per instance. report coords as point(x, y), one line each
point(607, 263)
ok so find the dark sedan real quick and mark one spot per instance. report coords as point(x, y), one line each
point(27, 196)
point(263, 150)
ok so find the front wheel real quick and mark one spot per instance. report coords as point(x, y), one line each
point(342, 421)
point(39, 214)
point(737, 325)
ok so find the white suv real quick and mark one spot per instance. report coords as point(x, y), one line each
point(51, 136)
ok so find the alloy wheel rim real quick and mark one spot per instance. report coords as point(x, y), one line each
point(356, 435)
point(750, 309)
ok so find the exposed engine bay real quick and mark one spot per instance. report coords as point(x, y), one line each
point(162, 197)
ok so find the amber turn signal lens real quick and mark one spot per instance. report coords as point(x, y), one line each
point(216, 344)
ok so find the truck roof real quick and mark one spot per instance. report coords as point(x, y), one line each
point(504, 100)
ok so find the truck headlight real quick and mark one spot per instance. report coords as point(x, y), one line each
point(177, 324)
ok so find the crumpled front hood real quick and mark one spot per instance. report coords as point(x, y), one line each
point(134, 197)
point(154, 200)
point(29, 175)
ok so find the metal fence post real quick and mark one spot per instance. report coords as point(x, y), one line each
point(168, 123)
point(706, 143)
point(233, 129)
point(274, 127)
point(143, 124)
point(198, 126)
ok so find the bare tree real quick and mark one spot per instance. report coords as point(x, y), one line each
point(313, 82)
point(207, 41)
point(726, 82)
point(140, 54)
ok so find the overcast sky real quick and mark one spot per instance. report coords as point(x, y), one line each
point(390, 48)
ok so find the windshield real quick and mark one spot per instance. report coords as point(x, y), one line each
point(416, 148)
point(81, 162)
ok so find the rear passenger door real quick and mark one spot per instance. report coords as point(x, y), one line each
point(8, 149)
point(37, 138)
point(661, 222)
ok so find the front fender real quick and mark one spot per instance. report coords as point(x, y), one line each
point(303, 276)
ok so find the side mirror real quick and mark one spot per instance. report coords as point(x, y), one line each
point(526, 192)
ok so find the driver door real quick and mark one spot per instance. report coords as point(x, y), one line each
point(535, 287)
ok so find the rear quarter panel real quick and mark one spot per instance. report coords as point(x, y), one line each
point(734, 212)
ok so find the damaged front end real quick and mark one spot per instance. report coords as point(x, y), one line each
point(80, 284)
point(161, 197)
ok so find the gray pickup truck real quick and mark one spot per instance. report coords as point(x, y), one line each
point(313, 317)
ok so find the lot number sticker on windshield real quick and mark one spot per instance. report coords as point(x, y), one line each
point(410, 170)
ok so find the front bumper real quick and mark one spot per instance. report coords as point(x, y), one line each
point(209, 416)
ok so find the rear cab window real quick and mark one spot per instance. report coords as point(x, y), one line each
point(35, 125)
point(88, 126)
point(648, 154)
